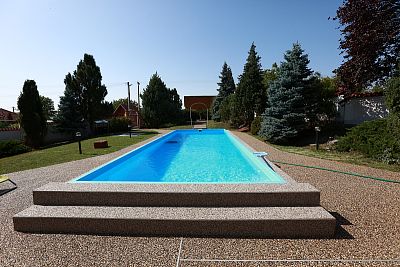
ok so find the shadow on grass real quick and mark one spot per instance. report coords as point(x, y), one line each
point(340, 232)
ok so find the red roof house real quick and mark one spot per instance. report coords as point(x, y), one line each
point(6, 115)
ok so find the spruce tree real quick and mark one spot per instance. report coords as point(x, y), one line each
point(32, 117)
point(250, 95)
point(284, 118)
point(226, 88)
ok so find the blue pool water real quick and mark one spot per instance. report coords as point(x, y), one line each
point(187, 156)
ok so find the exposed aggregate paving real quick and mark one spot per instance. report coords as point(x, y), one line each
point(368, 211)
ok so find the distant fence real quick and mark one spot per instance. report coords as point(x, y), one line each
point(52, 136)
point(10, 133)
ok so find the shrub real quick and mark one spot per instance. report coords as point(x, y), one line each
point(119, 125)
point(256, 125)
point(373, 139)
point(12, 147)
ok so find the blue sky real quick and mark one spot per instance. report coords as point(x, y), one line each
point(185, 41)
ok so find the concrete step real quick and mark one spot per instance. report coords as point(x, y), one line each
point(177, 195)
point(266, 222)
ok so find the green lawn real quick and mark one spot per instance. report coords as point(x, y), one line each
point(349, 157)
point(68, 152)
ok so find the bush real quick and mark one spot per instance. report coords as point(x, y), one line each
point(256, 125)
point(12, 147)
point(119, 125)
point(373, 139)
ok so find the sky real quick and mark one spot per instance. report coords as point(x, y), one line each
point(185, 41)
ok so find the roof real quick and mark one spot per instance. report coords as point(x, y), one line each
point(199, 102)
point(6, 115)
point(361, 95)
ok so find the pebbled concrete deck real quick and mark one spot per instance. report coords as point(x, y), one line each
point(367, 212)
point(177, 195)
point(287, 222)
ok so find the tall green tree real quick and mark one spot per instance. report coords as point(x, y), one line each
point(123, 101)
point(285, 116)
point(161, 105)
point(85, 93)
point(250, 95)
point(32, 117)
point(226, 87)
point(48, 107)
point(392, 97)
point(70, 115)
point(370, 42)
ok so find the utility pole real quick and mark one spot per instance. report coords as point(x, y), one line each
point(138, 103)
point(129, 96)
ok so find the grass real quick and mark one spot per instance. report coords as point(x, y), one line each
point(67, 152)
point(348, 157)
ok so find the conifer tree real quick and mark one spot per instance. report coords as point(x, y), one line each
point(161, 105)
point(284, 118)
point(250, 95)
point(226, 88)
point(32, 117)
point(84, 93)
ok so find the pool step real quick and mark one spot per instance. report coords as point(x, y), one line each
point(266, 222)
point(177, 195)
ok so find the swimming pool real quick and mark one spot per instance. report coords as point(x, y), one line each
point(187, 156)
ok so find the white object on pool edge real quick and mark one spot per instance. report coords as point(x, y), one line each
point(260, 154)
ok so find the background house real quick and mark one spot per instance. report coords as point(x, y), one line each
point(360, 107)
point(133, 115)
point(8, 116)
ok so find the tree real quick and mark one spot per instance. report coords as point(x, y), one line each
point(161, 105)
point(392, 97)
point(285, 116)
point(250, 95)
point(85, 93)
point(123, 101)
point(48, 107)
point(370, 42)
point(318, 99)
point(106, 110)
point(32, 118)
point(270, 75)
point(70, 114)
point(226, 88)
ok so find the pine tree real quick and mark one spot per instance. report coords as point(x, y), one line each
point(250, 95)
point(161, 105)
point(85, 90)
point(284, 118)
point(226, 88)
point(32, 117)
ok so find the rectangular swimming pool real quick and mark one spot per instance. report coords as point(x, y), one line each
point(187, 156)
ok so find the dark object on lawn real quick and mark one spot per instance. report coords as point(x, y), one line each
point(100, 144)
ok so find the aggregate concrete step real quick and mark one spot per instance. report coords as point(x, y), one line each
point(266, 222)
point(177, 195)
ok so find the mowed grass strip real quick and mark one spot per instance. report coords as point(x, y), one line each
point(68, 152)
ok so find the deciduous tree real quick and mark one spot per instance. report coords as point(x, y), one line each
point(370, 42)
